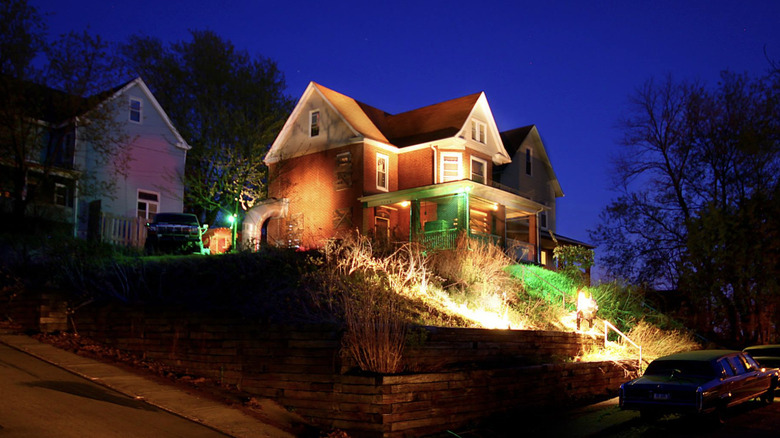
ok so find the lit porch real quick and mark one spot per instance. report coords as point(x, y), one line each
point(436, 214)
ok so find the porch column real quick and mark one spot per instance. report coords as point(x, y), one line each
point(463, 212)
point(533, 237)
point(414, 221)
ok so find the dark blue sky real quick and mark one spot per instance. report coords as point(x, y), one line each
point(567, 67)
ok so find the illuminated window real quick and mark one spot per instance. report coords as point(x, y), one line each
point(478, 169)
point(61, 195)
point(148, 203)
point(478, 130)
point(528, 159)
point(451, 166)
point(314, 123)
point(136, 107)
point(381, 172)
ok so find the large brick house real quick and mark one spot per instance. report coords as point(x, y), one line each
point(424, 175)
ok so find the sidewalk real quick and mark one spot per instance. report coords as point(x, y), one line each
point(168, 397)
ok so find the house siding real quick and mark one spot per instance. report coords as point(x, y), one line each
point(155, 163)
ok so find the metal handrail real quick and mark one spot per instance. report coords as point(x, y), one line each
point(608, 325)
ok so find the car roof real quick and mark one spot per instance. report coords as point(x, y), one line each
point(698, 355)
point(762, 348)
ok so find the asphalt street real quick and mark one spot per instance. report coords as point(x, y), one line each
point(39, 400)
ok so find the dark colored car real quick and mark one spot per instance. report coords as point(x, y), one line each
point(698, 382)
point(175, 233)
point(766, 355)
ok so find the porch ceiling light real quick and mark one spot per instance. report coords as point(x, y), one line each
point(404, 204)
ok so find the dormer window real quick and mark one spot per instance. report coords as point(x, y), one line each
point(136, 108)
point(314, 123)
point(478, 131)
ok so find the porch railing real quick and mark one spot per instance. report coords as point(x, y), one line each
point(440, 239)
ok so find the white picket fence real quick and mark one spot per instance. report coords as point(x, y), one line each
point(124, 231)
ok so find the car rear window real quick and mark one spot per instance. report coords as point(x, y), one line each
point(680, 368)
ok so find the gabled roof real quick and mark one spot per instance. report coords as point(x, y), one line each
point(422, 125)
point(430, 123)
point(117, 91)
point(514, 138)
point(57, 107)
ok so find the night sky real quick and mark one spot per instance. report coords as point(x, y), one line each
point(567, 67)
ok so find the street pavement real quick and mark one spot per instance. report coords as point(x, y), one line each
point(168, 397)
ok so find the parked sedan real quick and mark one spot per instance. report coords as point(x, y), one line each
point(766, 355)
point(698, 382)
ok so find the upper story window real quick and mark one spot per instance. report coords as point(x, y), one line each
point(314, 123)
point(148, 204)
point(381, 172)
point(478, 131)
point(451, 166)
point(136, 109)
point(343, 170)
point(478, 170)
point(528, 162)
point(61, 195)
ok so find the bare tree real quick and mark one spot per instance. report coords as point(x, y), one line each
point(696, 182)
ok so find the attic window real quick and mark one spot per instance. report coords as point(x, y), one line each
point(528, 158)
point(136, 105)
point(314, 123)
point(478, 130)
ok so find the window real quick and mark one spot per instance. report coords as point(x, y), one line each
point(543, 220)
point(148, 203)
point(478, 169)
point(451, 166)
point(61, 195)
point(528, 167)
point(478, 130)
point(343, 170)
point(314, 123)
point(381, 172)
point(136, 106)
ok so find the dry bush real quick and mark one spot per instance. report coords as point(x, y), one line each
point(656, 342)
point(472, 263)
point(367, 293)
point(375, 328)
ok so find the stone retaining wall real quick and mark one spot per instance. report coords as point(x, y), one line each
point(469, 374)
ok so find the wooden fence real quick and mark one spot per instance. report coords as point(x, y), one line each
point(124, 231)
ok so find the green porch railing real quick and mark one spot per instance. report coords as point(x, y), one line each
point(447, 239)
point(440, 239)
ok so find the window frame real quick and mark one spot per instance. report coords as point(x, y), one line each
point(386, 186)
point(442, 173)
point(61, 192)
point(479, 131)
point(148, 203)
point(314, 125)
point(529, 161)
point(139, 110)
point(484, 169)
